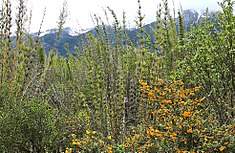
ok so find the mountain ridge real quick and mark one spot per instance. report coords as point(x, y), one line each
point(73, 37)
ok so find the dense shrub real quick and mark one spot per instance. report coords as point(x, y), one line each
point(28, 127)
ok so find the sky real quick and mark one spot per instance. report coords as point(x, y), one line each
point(80, 12)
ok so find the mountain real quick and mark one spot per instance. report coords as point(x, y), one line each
point(74, 38)
point(69, 36)
point(195, 16)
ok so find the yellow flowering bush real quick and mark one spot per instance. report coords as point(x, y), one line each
point(177, 120)
point(90, 141)
point(180, 121)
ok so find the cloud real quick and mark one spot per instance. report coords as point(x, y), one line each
point(80, 11)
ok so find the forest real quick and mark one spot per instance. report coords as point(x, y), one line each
point(176, 94)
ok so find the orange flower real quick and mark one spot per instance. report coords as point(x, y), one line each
point(225, 143)
point(182, 151)
point(159, 135)
point(166, 110)
point(126, 145)
point(187, 114)
point(109, 149)
point(150, 93)
point(198, 88)
point(153, 99)
point(190, 131)
point(222, 148)
point(184, 139)
point(173, 136)
point(152, 133)
point(154, 113)
point(157, 90)
point(166, 88)
point(202, 99)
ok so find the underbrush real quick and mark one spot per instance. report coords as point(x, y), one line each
point(177, 120)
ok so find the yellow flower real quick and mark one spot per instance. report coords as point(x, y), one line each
point(198, 131)
point(197, 88)
point(73, 135)
point(133, 130)
point(188, 69)
point(100, 141)
point(69, 150)
point(76, 143)
point(159, 134)
point(204, 130)
point(88, 132)
point(128, 140)
point(154, 113)
point(93, 132)
point(205, 138)
point(181, 82)
point(175, 82)
point(109, 137)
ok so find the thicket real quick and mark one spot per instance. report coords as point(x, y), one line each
point(173, 95)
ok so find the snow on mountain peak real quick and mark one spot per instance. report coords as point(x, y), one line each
point(71, 31)
point(68, 30)
point(74, 31)
point(43, 33)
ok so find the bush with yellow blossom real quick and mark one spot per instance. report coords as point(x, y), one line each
point(180, 122)
point(90, 141)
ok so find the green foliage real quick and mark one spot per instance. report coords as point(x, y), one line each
point(210, 56)
point(28, 127)
point(109, 96)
